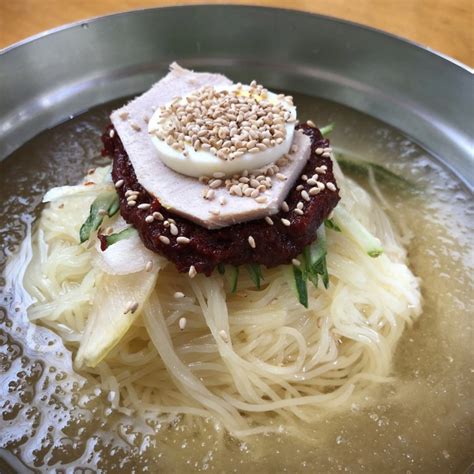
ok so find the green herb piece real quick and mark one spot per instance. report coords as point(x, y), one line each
point(234, 277)
point(123, 234)
point(255, 273)
point(330, 224)
point(374, 253)
point(107, 201)
point(325, 131)
point(221, 268)
point(301, 285)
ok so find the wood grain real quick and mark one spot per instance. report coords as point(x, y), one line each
point(446, 26)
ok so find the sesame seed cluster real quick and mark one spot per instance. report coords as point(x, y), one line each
point(249, 183)
point(226, 123)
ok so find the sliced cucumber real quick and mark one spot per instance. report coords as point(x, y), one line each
point(357, 232)
point(107, 202)
point(255, 273)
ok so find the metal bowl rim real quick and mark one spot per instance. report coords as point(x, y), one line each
point(94, 19)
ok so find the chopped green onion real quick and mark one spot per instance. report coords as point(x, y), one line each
point(330, 224)
point(327, 129)
point(255, 273)
point(107, 201)
point(123, 234)
point(357, 232)
point(301, 286)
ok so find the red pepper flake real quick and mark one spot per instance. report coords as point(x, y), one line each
point(103, 242)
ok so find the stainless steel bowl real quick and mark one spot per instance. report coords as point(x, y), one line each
point(48, 78)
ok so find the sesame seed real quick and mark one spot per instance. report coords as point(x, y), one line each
point(218, 174)
point(310, 123)
point(305, 195)
point(314, 191)
point(178, 295)
point(183, 240)
point(300, 205)
point(285, 207)
point(311, 182)
point(123, 115)
point(281, 177)
point(268, 220)
point(182, 323)
point(331, 186)
point(286, 222)
point(224, 336)
point(236, 190)
point(319, 151)
point(131, 203)
point(304, 177)
point(222, 201)
point(149, 219)
point(119, 183)
point(210, 194)
point(326, 155)
point(299, 187)
point(321, 186)
point(145, 205)
point(215, 183)
point(261, 199)
point(112, 133)
point(158, 216)
point(135, 126)
point(173, 229)
point(164, 239)
point(131, 307)
point(192, 271)
point(295, 262)
point(149, 266)
point(299, 212)
point(251, 242)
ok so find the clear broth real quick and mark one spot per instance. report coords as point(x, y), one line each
point(52, 420)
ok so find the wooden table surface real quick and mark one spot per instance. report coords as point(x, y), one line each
point(443, 25)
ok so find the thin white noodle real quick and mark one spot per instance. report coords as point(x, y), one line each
point(241, 356)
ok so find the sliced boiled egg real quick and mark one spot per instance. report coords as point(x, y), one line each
point(223, 130)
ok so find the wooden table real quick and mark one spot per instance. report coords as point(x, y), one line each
point(443, 25)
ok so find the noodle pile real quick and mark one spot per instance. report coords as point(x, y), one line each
point(279, 362)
